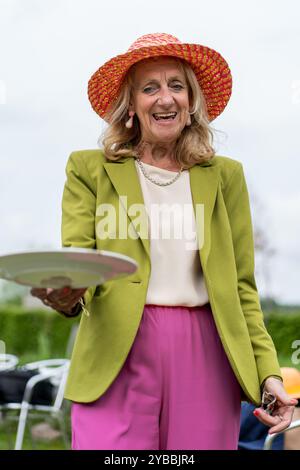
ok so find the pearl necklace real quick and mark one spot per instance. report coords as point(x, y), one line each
point(153, 180)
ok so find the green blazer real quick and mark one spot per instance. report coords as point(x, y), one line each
point(105, 336)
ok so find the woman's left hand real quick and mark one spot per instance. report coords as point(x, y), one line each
point(282, 414)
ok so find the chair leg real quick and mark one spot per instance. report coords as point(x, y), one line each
point(21, 426)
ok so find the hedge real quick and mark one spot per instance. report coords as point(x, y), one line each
point(34, 334)
point(284, 329)
point(43, 334)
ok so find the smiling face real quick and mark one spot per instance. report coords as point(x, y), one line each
point(160, 99)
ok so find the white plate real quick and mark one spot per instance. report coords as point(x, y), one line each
point(74, 267)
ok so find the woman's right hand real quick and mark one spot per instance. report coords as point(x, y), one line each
point(63, 299)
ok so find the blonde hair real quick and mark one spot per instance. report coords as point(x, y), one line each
point(194, 144)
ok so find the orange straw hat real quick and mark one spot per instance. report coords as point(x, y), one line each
point(211, 70)
point(291, 381)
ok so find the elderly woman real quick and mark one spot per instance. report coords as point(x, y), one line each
point(164, 357)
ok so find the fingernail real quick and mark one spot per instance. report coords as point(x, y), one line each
point(256, 412)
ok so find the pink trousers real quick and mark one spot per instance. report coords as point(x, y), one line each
point(176, 390)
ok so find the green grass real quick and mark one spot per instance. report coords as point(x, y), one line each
point(8, 429)
point(8, 444)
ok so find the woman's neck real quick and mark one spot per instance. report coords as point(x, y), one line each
point(160, 155)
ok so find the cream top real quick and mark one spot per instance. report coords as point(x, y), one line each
point(176, 276)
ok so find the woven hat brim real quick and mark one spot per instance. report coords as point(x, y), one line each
point(211, 70)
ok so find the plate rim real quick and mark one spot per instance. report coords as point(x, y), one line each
point(90, 251)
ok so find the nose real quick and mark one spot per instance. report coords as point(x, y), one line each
point(165, 97)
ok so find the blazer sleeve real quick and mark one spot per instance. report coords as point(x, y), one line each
point(78, 210)
point(238, 207)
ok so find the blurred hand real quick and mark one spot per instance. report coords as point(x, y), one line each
point(63, 299)
point(282, 415)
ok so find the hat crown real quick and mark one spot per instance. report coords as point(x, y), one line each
point(154, 39)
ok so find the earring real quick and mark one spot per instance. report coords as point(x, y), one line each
point(129, 123)
point(188, 121)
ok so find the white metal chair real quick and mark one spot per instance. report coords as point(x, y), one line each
point(270, 438)
point(55, 371)
point(8, 361)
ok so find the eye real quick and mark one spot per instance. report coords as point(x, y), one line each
point(177, 86)
point(149, 89)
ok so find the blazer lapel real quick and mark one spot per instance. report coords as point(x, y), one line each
point(125, 180)
point(204, 179)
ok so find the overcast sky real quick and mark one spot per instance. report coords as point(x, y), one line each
point(50, 48)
